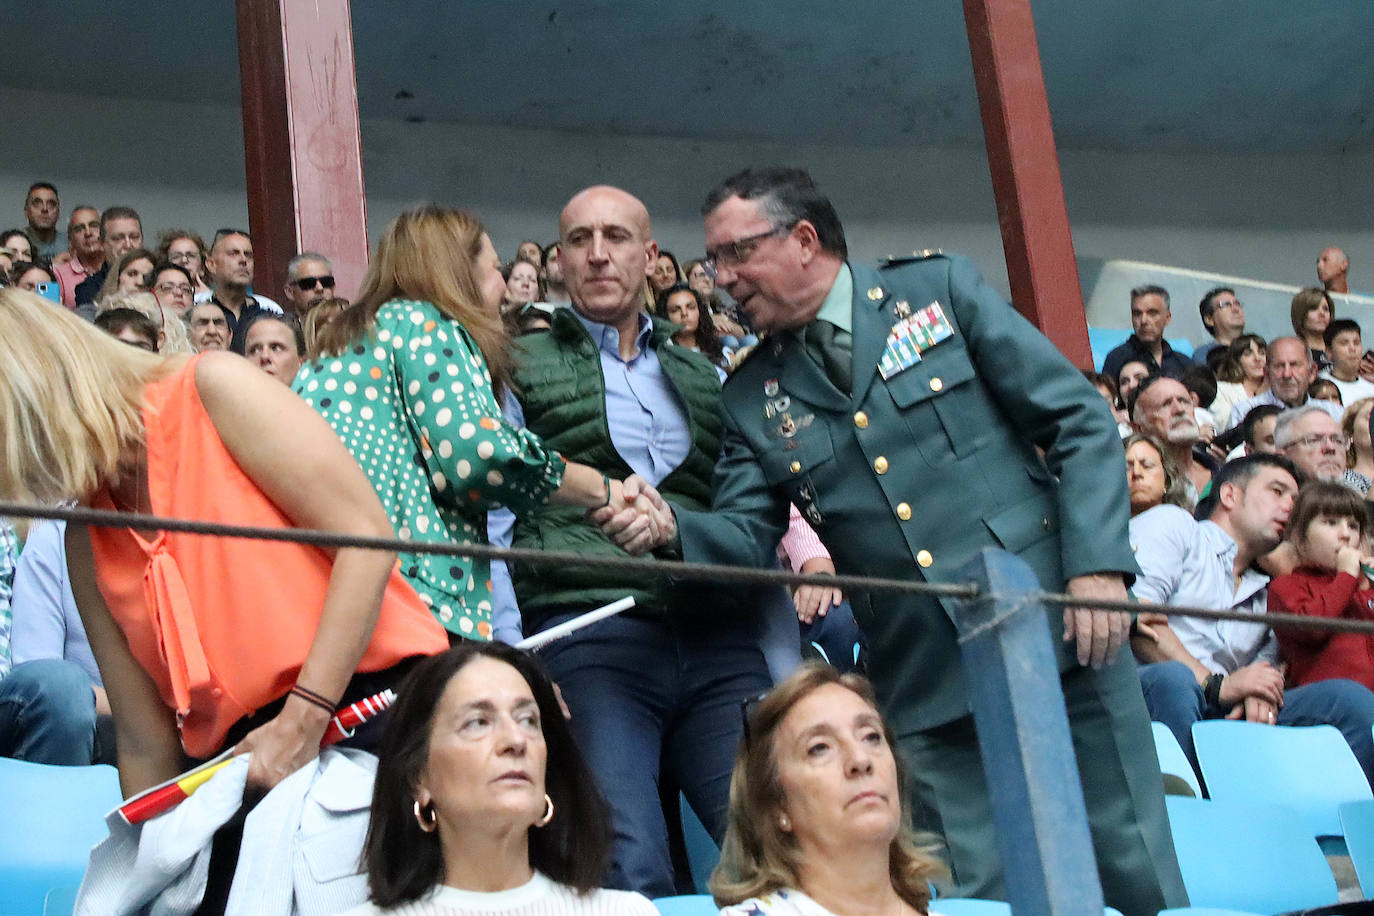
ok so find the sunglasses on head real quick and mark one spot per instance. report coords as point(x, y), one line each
point(308, 283)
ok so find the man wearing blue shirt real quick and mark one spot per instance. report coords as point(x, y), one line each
point(664, 681)
point(52, 703)
point(1193, 669)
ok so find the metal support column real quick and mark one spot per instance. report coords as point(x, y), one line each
point(1025, 172)
point(302, 146)
point(1023, 735)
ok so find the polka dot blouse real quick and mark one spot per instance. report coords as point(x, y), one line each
point(413, 402)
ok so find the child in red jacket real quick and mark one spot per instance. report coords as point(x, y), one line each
point(1327, 530)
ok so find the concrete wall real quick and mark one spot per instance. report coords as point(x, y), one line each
point(1263, 217)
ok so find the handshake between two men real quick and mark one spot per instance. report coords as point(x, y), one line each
point(637, 518)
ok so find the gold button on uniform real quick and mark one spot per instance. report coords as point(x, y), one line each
point(936, 384)
point(794, 467)
point(924, 558)
point(880, 464)
point(861, 420)
point(904, 512)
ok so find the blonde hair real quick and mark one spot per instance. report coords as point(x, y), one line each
point(758, 857)
point(427, 253)
point(70, 401)
point(173, 329)
point(315, 319)
point(1348, 427)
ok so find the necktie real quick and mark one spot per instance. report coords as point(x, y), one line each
point(832, 349)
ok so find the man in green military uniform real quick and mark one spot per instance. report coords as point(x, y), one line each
point(905, 412)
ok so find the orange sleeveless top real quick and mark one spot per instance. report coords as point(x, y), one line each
point(223, 625)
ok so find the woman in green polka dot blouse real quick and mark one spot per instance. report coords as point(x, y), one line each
point(409, 376)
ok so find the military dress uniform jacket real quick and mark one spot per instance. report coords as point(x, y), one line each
point(910, 476)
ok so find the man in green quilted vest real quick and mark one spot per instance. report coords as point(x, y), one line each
point(915, 418)
point(664, 681)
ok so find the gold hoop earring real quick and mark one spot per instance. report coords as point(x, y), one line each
point(548, 812)
point(430, 823)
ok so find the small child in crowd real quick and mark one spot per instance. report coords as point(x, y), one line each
point(1326, 528)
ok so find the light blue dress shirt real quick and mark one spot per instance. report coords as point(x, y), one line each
point(1186, 562)
point(648, 428)
point(46, 621)
point(648, 422)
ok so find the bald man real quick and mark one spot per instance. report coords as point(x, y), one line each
point(1332, 267)
point(665, 681)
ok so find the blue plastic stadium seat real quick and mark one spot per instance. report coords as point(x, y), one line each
point(1251, 857)
point(1309, 770)
point(1357, 818)
point(702, 852)
point(687, 905)
point(1172, 760)
point(1103, 341)
point(970, 906)
point(1205, 911)
point(50, 817)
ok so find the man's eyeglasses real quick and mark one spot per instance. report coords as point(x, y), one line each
point(1337, 439)
point(733, 254)
point(305, 284)
point(746, 712)
point(174, 288)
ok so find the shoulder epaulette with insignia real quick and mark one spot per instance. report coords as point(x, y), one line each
point(922, 254)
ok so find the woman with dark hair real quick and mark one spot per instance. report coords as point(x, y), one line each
point(180, 246)
point(1243, 374)
point(1311, 312)
point(666, 272)
point(683, 305)
point(18, 244)
point(817, 812)
point(27, 275)
point(482, 802)
point(523, 285)
point(1128, 379)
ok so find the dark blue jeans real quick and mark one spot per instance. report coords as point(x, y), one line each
point(1172, 696)
point(47, 713)
point(835, 638)
point(650, 692)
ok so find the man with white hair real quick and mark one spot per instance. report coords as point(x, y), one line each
point(1164, 409)
point(1313, 441)
point(1291, 372)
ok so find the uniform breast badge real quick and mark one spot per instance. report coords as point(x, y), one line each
point(911, 336)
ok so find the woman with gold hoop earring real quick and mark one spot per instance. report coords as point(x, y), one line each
point(482, 802)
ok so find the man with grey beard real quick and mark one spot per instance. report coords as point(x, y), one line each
point(1164, 409)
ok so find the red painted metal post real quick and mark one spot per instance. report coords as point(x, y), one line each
point(302, 145)
point(1025, 172)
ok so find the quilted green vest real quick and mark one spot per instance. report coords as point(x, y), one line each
point(561, 388)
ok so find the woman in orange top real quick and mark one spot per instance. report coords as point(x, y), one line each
point(203, 642)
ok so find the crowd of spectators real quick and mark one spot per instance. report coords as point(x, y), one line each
point(1247, 466)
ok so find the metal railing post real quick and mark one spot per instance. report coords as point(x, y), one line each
point(1023, 734)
